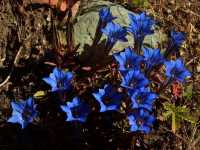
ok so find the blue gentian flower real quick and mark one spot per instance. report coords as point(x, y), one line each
point(134, 79)
point(140, 26)
point(59, 80)
point(23, 112)
point(128, 60)
point(115, 33)
point(175, 70)
point(141, 121)
point(76, 110)
point(105, 15)
point(142, 98)
point(177, 38)
point(108, 98)
point(152, 57)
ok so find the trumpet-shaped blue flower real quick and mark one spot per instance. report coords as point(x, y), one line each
point(105, 15)
point(76, 110)
point(141, 121)
point(59, 80)
point(128, 60)
point(152, 57)
point(140, 26)
point(108, 98)
point(175, 70)
point(133, 80)
point(142, 98)
point(115, 33)
point(177, 38)
point(23, 112)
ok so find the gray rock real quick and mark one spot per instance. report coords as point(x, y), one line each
point(86, 24)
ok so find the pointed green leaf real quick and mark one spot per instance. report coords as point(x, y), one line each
point(173, 122)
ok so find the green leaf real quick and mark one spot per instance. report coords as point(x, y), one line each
point(174, 122)
point(140, 3)
point(166, 115)
point(188, 92)
point(39, 94)
point(178, 114)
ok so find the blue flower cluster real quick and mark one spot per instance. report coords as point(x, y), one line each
point(136, 84)
point(113, 31)
point(60, 80)
point(134, 69)
point(133, 78)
